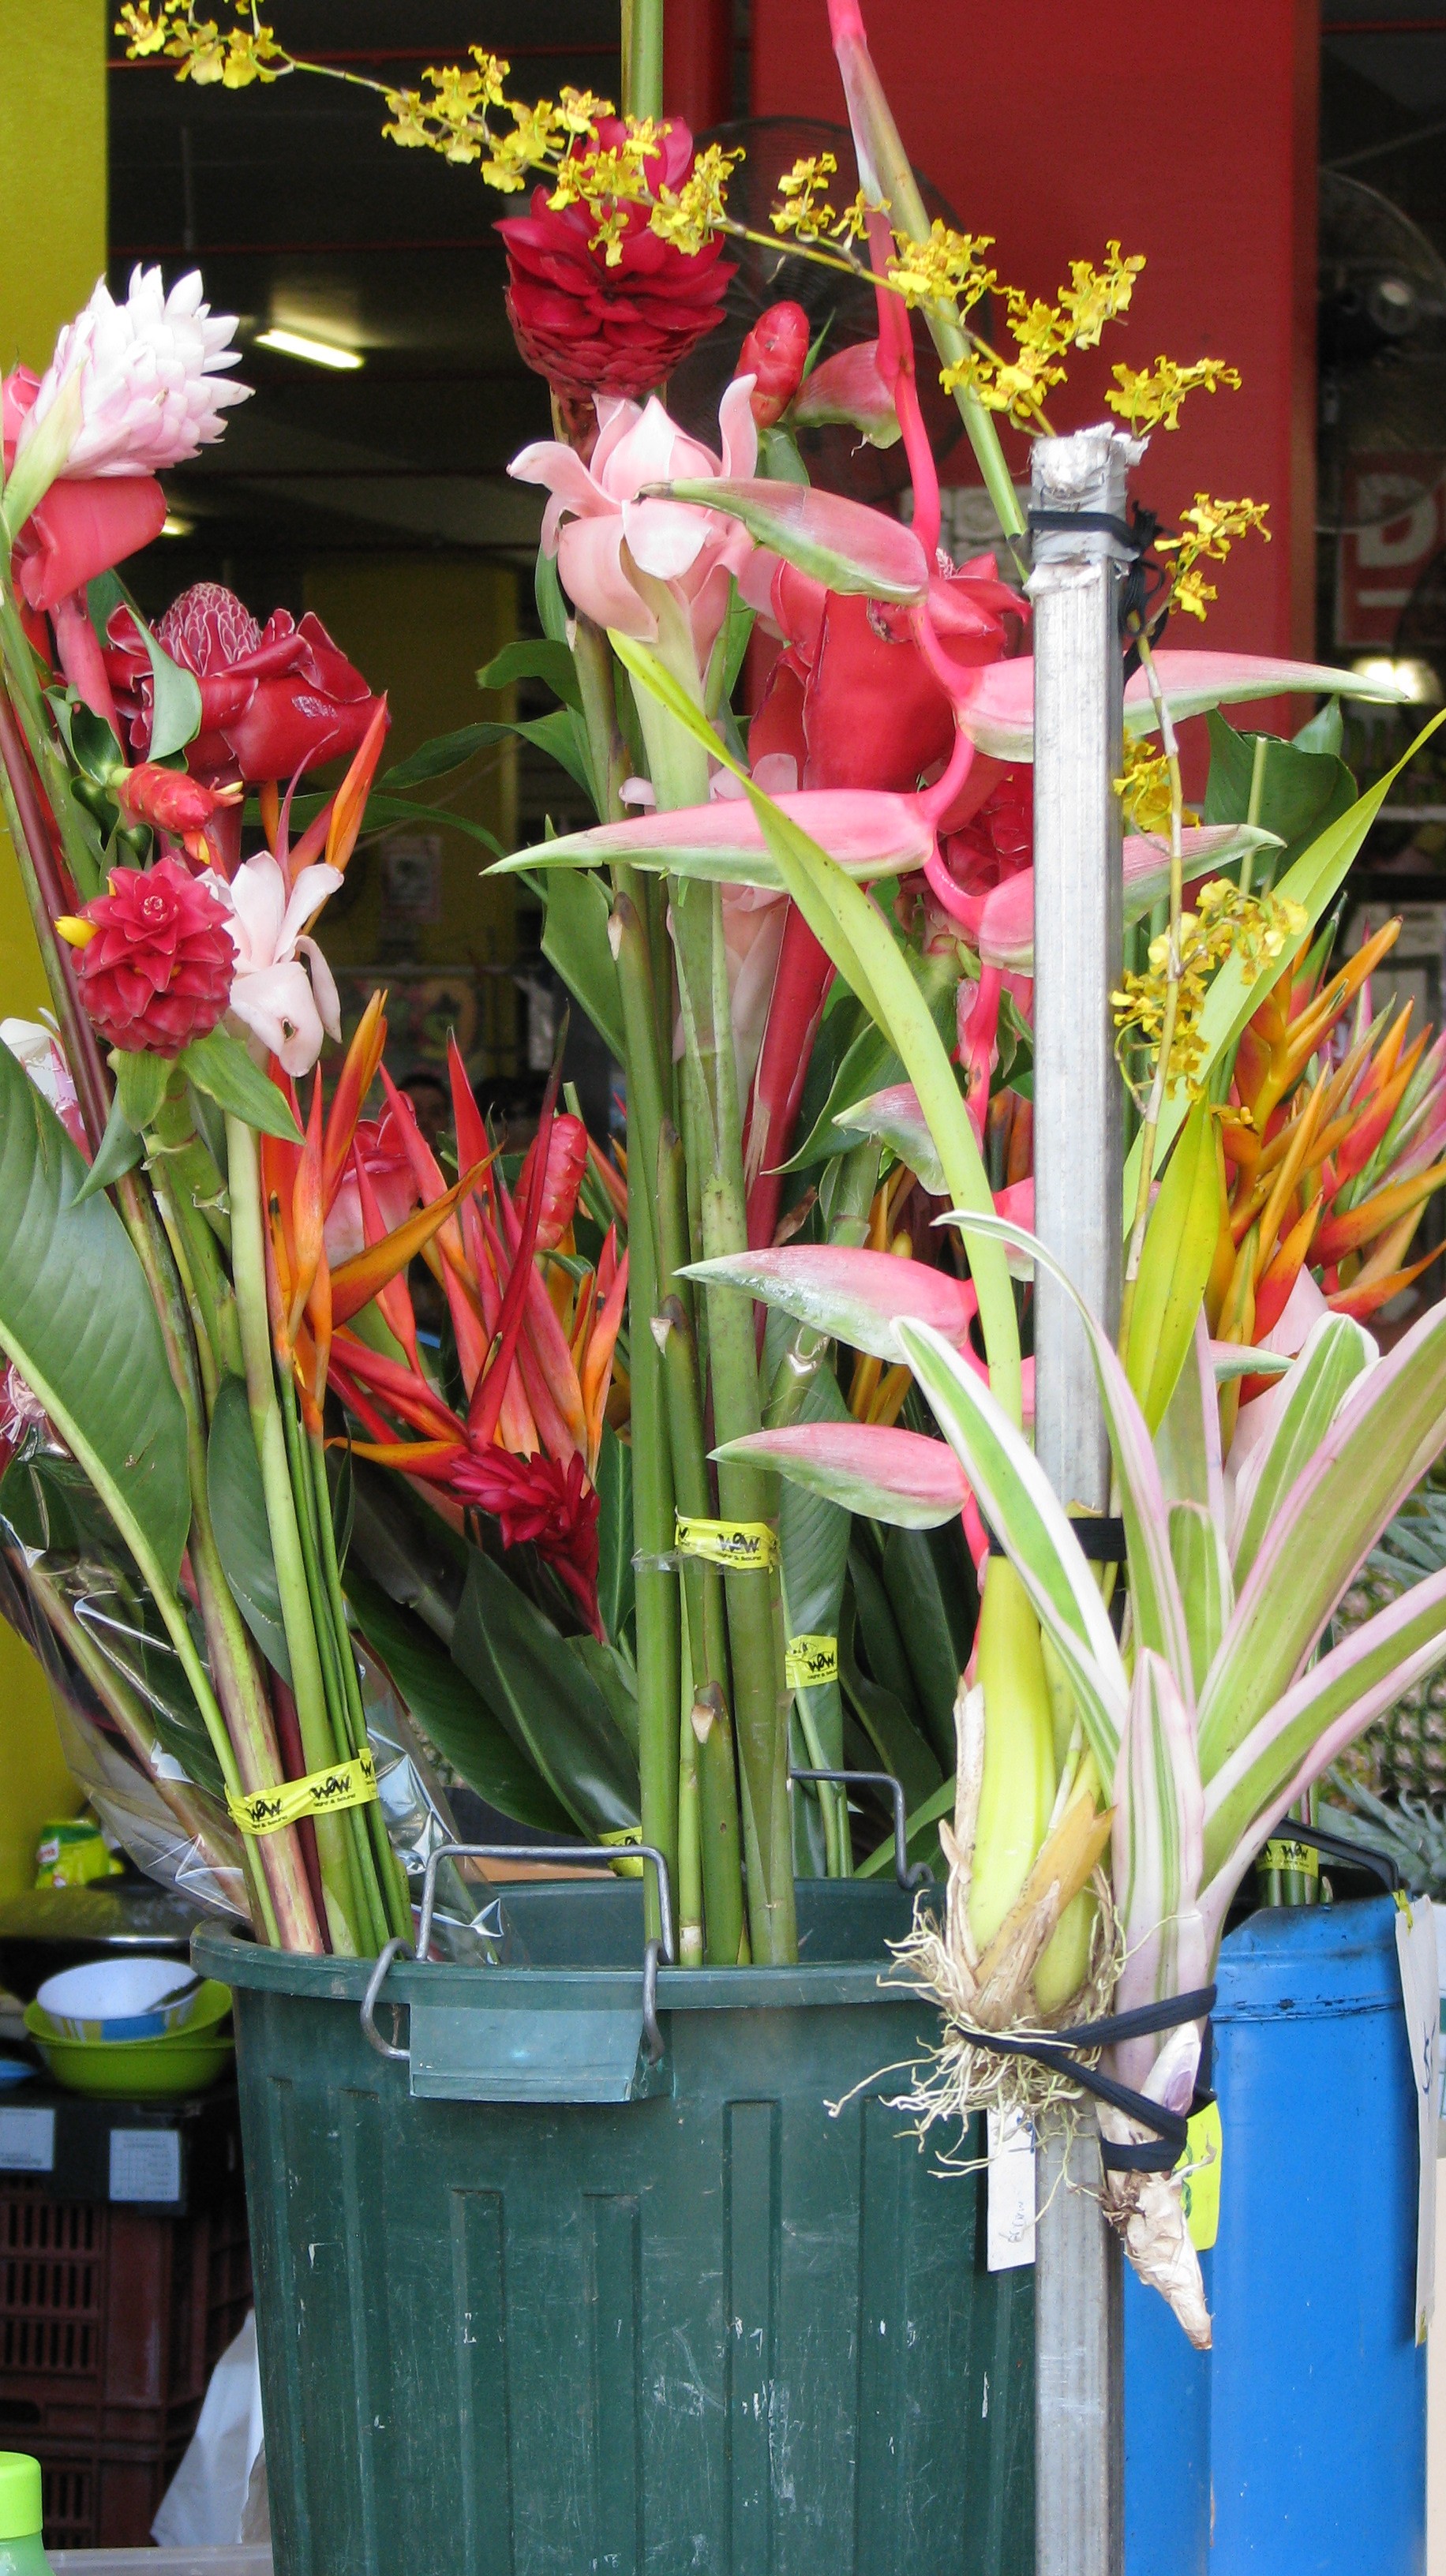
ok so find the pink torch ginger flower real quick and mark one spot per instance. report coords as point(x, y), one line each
point(147, 373)
point(596, 510)
point(272, 994)
point(379, 1147)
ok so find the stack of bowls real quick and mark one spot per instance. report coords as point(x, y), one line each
point(132, 2028)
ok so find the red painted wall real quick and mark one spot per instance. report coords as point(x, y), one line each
point(1187, 128)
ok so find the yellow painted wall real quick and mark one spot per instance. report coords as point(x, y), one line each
point(52, 250)
point(420, 626)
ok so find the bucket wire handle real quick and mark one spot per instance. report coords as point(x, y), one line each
point(567, 1854)
point(920, 1875)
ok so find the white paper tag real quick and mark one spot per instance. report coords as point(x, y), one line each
point(27, 2141)
point(145, 2164)
point(1421, 1997)
point(1010, 2226)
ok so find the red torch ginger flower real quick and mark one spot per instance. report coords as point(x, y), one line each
point(541, 1502)
point(275, 700)
point(156, 959)
point(590, 328)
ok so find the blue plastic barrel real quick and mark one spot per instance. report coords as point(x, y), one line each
point(1317, 2389)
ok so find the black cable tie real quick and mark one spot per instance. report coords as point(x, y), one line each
point(1101, 1539)
point(1057, 2053)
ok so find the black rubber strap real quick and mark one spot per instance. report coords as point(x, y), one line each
point(1100, 1539)
point(1135, 540)
point(1058, 2053)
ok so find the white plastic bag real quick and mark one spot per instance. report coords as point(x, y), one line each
point(205, 2503)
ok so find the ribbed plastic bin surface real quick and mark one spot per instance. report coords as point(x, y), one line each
point(720, 2330)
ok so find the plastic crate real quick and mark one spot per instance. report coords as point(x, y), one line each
point(111, 2321)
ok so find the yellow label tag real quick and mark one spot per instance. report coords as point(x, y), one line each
point(1200, 2190)
point(1287, 1855)
point(621, 1835)
point(741, 1547)
point(810, 1661)
point(321, 1793)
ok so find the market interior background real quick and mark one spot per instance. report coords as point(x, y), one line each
point(1302, 236)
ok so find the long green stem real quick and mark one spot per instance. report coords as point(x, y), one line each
point(365, 1905)
point(391, 1878)
point(643, 57)
point(307, 1682)
point(679, 769)
point(243, 1738)
point(656, 1592)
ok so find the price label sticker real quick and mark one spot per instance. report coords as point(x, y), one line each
point(1200, 2168)
point(810, 1661)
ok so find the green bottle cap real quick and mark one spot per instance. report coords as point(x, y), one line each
point(20, 2515)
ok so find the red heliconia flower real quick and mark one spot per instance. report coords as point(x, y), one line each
point(541, 1502)
point(566, 1163)
point(156, 971)
point(589, 328)
point(775, 354)
point(275, 700)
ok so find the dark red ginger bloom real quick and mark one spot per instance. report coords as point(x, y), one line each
point(276, 699)
point(156, 969)
point(589, 328)
point(541, 1502)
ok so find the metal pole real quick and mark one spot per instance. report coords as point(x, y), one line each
point(1078, 753)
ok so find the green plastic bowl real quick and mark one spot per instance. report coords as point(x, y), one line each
point(185, 2060)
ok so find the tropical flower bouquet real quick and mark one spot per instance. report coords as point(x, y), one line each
point(722, 1472)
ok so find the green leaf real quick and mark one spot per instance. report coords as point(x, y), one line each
point(552, 608)
point(1018, 1501)
point(843, 544)
point(1302, 790)
point(1324, 731)
point(175, 699)
point(550, 1705)
point(1313, 881)
point(896, 1740)
point(929, 1582)
point(76, 1318)
point(612, 1672)
point(119, 1151)
point(220, 1066)
point(813, 1541)
point(872, 1064)
point(575, 940)
point(1180, 1243)
point(916, 1827)
point(140, 1087)
point(615, 1534)
point(1202, 1570)
point(534, 657)
point(453, 1716)
point(439, 757)
point(238, 1515)
point(1337, 1353)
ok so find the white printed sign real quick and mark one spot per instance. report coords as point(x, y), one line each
point(1009, 2230)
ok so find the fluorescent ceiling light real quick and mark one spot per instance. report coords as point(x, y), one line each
point(317, 353)
point(174, 526)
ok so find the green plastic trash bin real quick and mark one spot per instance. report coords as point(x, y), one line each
point(729, 2321)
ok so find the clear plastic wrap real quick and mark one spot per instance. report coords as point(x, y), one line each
point(130, 1729)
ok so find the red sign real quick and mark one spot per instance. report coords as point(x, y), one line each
point(1378, 567)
